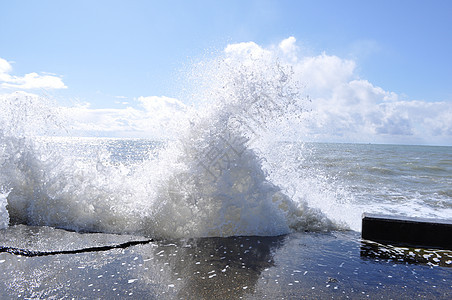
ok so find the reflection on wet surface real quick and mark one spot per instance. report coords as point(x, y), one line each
point(220, 267)
point(297, 266)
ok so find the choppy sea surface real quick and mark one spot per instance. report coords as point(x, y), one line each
point(233, 205)
point(338, 182)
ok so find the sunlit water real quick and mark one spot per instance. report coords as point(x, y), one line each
point(296, 266)
point(340, 180)
point(236, 205)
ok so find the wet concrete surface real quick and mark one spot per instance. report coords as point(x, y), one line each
point(335, 265)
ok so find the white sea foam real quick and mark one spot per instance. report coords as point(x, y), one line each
point(227, 172)
point(216, 184)
point(210, 181)
point(4, 216)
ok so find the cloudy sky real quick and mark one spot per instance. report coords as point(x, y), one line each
point(376, 71)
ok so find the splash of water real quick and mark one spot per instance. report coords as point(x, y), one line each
point(212, 180)
point(4, 216)
point(219, 186)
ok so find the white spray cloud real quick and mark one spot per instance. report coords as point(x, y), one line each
point(28, 81)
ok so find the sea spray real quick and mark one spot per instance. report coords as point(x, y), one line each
point(51, 187)
point(217, 185)
point(4, 216)
point(212, 179)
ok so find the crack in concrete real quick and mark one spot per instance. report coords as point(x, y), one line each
point(33, 253)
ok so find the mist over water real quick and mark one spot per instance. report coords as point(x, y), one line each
point(233, 168)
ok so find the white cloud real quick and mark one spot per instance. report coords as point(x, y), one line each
point(152, 117)
point(28, 81)
point(5, 67)
point(344, 107)
point(161, 105)
point(288, 45)
point(156, 117)
point(289, 49)
point(357, 111)
point(324, 73)
point(243, 52)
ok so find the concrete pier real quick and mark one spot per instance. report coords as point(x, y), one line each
point(407, 231)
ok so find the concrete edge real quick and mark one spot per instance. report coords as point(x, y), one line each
point(407, 231)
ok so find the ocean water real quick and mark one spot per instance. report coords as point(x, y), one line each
point(238, 203)
point(235, 166)
point(330, 185)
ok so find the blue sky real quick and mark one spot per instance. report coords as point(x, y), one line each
point(105, 51)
